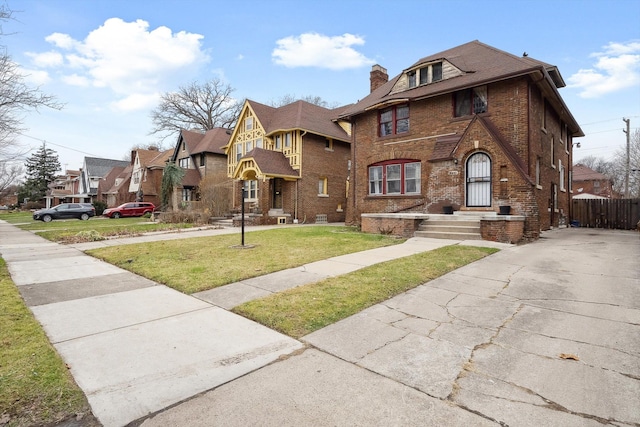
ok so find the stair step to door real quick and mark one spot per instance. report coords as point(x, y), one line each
point(448, 235)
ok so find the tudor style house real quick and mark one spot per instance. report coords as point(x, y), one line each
point(292, 161)
point(93, 171)
point(200, 155)
point(146, 174)
point(468, 129)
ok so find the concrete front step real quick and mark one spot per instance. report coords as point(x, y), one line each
point(448, 235)
point(451, 228)
point(456, 223)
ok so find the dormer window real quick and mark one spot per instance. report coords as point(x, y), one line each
point(412, 78)
point(425, 75)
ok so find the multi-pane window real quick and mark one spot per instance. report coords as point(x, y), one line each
point(250, 190)
point(470, 101)
point(395, 177)
point(186, 194)
point(394, 120)
point(184, 163)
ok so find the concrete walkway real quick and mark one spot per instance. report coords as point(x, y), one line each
point(493, 343)
point(136, 347)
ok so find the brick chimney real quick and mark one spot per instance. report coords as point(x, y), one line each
point(378, 77)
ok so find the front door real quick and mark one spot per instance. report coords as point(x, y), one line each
point(276, 199)
point(478, 180)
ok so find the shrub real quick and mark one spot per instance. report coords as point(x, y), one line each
point(100, 207)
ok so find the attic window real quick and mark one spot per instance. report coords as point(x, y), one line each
point(425, 75)
point(248, 123)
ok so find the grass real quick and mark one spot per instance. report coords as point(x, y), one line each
point(35, 386)
point(96, 228)
point(198, 264)
point(302, 310)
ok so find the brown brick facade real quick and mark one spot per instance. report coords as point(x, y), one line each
point(511, 133)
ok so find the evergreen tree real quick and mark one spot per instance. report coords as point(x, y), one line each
point(41, 170)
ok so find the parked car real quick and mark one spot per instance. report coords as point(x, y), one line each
point(130, 209)
point(82, 211)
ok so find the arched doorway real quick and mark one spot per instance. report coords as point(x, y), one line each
point(478, 181)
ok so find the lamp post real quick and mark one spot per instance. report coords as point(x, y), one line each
point(242, 210)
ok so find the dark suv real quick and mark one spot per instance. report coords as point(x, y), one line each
point(130, 209)
point(82, 211)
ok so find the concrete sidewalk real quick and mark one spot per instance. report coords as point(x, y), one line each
point(136, 347)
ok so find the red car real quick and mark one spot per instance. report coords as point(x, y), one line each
point(130, 209)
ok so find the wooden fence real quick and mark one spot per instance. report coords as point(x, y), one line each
point(621, 214)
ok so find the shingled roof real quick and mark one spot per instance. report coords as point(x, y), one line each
point(300, 115)
point(212, 142)
point(584, 173)
point(272, 163)
point(479, 64)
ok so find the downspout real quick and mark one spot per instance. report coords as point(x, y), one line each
point(353, 171)
point(295, 205)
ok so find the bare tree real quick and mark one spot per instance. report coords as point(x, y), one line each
point(215, 194)
point(289, 98)
point(9, 174)
point(620, 165)
point(196, 106)
point(16, 99)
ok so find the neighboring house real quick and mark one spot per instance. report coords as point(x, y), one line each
point(146, 176)
point(200, 155)
point(64, 189)
point(93, 170)
point(114, 187)
point(9, 196)
point(293, 162)
point(588, 181)
point(470, 128)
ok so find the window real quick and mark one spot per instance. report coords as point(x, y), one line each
point(553, 152)
point(259, 143)
point(250, 190)
point(538, 172)
point(544, 114)
point(561, 171)
point(470, 101)
point(570, 179)
point(249, 146)
point(322, 186)
point(238, 151)
point(394, 178)
point(412, 78)
point(278, 142)
point(328, 144)
point(184, 163)
point(394, 120)
point(186, 194)
point(248, 123)
point(436, 71)
point(287, 139)
point(202, 159)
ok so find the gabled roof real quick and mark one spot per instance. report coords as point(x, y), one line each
point(271, 163)
point(299, 115)
point(160, 160)
point(583, 173)
point(108, 181)
point(95, 166)
point(191, 178)
point(212, 142)
point(479, 64)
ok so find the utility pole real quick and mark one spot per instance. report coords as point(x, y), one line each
point(626, 178)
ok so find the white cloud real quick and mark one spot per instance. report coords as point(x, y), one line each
point(125, 57)
point(136, 101)
point(317, 50)
point(35, 77)
point(616, 68)
point(46, 59)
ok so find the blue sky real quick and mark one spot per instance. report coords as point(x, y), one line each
point(108, 61)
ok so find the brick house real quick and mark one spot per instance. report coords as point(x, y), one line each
point(469, 129)
point(63, 189)
point(146, 174)
point(292, 161)
point(200, 155)
point(114, 188)
point(94, 170)
point(588, 183)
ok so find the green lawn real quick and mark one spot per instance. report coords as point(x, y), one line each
point(35, 385)
point(198, 264)
point(302, 310)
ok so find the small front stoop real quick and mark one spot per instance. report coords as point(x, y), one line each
point(454, 227)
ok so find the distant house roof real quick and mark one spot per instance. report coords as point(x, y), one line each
point(587, 196)
point(584, 173)
point(478, 64)
point(98, 167)
point(213, 141)
point(108, 181)
point(299, 115)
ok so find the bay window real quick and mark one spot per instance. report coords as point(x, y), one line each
point(394, 177)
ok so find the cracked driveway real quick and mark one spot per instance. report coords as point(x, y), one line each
point(546, 333)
